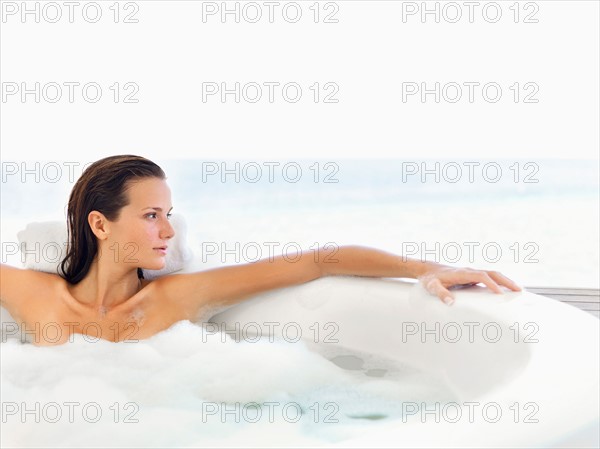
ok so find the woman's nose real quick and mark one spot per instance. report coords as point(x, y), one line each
point(167, 231)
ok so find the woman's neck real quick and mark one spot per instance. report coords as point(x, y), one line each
point(106, 287)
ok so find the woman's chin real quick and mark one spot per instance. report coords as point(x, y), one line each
point(158, 264)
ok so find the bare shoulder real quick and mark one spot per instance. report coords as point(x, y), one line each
point(20, 287)
point(182, 292)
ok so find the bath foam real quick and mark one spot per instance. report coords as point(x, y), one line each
point(176, 376)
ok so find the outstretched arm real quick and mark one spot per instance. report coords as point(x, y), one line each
point(228, 285)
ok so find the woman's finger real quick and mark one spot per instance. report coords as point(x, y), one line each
point(503, 280)
point(487, 280)
point(435, 287)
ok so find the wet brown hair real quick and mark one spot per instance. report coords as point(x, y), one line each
point(102, 187)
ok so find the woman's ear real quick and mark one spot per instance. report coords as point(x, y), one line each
point(99, 224)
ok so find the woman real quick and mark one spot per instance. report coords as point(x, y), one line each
point(118, 220)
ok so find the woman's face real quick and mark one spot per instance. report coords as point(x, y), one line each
point(143, 226)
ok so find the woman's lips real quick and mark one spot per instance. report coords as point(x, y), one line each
point(162, 250)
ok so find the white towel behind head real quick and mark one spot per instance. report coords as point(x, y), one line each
point(43, 246)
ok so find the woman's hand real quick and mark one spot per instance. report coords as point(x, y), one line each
point(437, 280)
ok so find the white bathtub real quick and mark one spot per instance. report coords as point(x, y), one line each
point(554, 380)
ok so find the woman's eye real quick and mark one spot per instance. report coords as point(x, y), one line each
point(153, 215)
